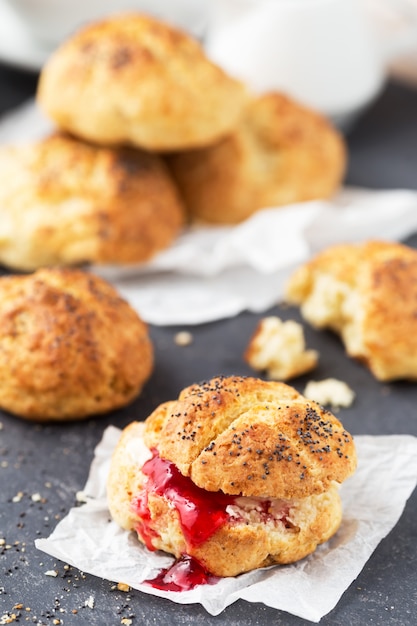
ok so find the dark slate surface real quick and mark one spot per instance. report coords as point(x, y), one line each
point(53, 460)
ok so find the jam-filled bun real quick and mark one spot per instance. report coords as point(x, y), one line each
point(259, 463)
point(70, 346)
point(132, 79)
point(279, 153)
point(367, 293)
point(64, 202)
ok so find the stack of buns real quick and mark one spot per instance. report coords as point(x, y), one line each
point(118, 92)
point(149, 134)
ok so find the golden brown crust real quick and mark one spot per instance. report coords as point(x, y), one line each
point(84, 204)
point(252, 437)
point(246, 541)
point(280, 153)
point(368, 294)
point(133, 79)
point(70, 347)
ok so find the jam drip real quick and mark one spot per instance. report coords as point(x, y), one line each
point(200, 512)
point(185, 574)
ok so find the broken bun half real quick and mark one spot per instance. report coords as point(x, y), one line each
point(238, 473)
point(367, 294)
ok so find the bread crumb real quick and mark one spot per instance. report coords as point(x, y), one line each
point(126, 621)
point(8, 618)
point(278, 348)
point(90, 602)
point(183, 338)
point(330, 391)
point(123, 587)
point(36, 497)
point(51, 572)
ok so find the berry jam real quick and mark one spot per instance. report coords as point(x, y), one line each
point(185, 574)
point(200, 512)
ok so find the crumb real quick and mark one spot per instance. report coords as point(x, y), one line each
point(330, 391)
point(51, 572)
point(126, 621)
point(18, 497)
point(183, 338)
point(278, 348)
point(123, 587)
point(9, 618)
point(36, 497)
point(90, 602)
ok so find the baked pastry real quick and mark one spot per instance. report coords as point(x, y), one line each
point(64, 202)
point(70, 347)
point(257, 464)
point(280, 153)
point(279, 349)
point(133, 79)
point(367, 293)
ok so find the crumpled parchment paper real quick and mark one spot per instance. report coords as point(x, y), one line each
point(373, 500)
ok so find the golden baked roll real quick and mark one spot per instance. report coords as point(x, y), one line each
point(238, 473)
point(70, 347)
point(280, 153)
point(367, 293)
point(65, 202)
point(133, 79)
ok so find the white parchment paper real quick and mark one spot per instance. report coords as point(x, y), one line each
point(373, 500)
point(210, 273)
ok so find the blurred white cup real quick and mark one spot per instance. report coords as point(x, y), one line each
point(325, 53)
point(48, 22)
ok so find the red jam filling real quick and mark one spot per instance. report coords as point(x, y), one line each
point(200, 512)
point(185, 574)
